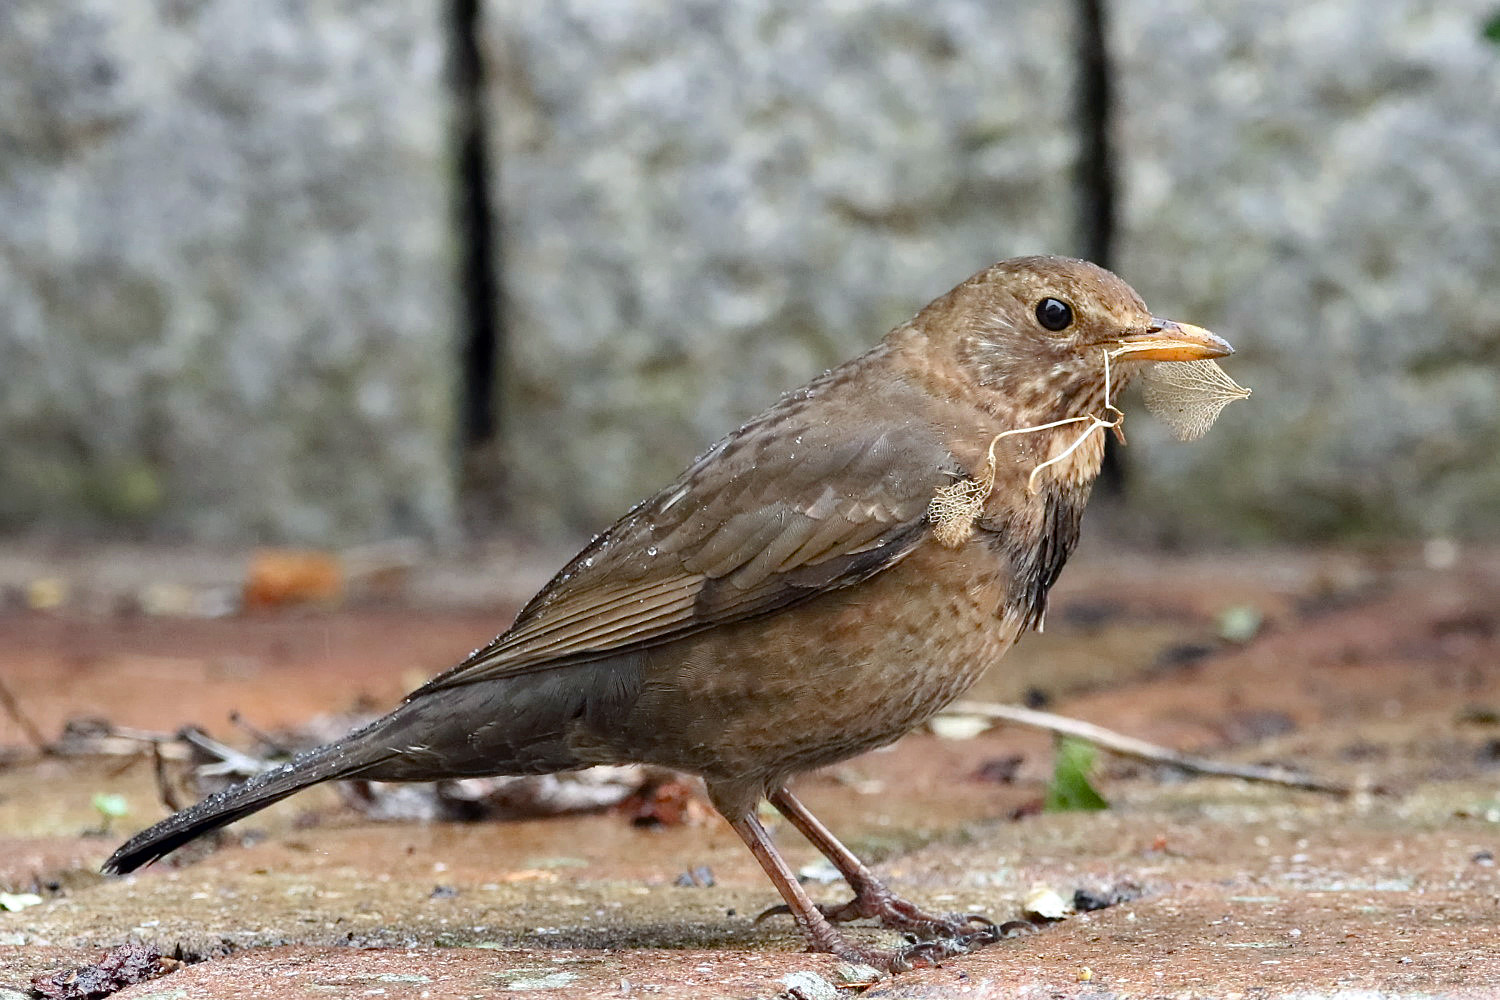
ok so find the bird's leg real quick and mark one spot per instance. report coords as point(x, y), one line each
point(821, 934)
point(872, 899)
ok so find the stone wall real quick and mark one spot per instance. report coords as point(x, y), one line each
point(1319, 180)
point(226, 269)
point(231, 305)
point(705, 204)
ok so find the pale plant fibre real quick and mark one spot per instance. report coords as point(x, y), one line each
point(1188, 396)
point(955, 508)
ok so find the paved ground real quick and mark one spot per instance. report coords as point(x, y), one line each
point(1379, 670)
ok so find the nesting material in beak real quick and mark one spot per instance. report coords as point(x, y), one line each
point(1188, 396)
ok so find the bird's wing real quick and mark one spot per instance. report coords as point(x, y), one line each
point(772, 515)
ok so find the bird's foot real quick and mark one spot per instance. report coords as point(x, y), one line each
point(879, 903)
point(914, 954)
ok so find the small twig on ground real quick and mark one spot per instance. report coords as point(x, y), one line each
point(13, 709)
point(260, 735)
point(163, 785)
point(108, 740)
point(231, 761)
point(1129, 746)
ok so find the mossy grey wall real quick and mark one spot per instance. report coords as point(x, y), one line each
point(232, 307)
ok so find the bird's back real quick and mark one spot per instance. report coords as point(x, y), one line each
point(850, 646)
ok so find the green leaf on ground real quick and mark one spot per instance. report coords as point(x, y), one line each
point(1070, 790)
point(12, 902)
point(110, 805)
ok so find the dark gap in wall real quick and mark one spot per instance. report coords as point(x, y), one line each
point(1096, 171)
point(482, 334)
point(1096, 174)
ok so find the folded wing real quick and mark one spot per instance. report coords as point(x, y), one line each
point(771, 516)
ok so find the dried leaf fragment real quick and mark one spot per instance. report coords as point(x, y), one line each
point(1044, 903)
point(280, 577)
point(958, 727)
point(116, 969)
point(1188, 396)
point(956, 507)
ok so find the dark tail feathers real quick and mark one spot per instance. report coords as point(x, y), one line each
point(337, 760)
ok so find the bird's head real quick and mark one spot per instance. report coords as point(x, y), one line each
point(1041, 331)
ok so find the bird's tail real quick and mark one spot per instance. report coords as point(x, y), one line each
point(520, 725)
point(345, 758)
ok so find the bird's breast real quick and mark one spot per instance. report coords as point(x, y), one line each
point(846, 671)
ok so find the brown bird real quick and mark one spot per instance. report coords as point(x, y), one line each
point(816, 584)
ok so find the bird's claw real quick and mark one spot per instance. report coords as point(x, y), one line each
point(896, 913)
point(833, 914)
point(928, 941)
point(929, 953)
point(779, 909)
point(963, 934)
point(980, 931)
point(970, 928)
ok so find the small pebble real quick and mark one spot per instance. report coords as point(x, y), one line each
point(697, 877)
point(1240, 623)
point(46, 594)
point(856, 974)
point(1044, 903)
point(958, 727)
point(809, 986)
point(820, 871)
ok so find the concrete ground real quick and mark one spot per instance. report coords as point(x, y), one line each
point(1379, 670)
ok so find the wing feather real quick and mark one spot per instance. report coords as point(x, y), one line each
point(616, 631)
point(642, 594)
point(771, 516)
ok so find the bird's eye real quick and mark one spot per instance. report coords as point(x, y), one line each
point(1054, 314)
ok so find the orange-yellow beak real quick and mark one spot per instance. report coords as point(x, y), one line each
point(1165, 340)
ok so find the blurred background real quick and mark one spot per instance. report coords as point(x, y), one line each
point(328, 328)
point(333, 273)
